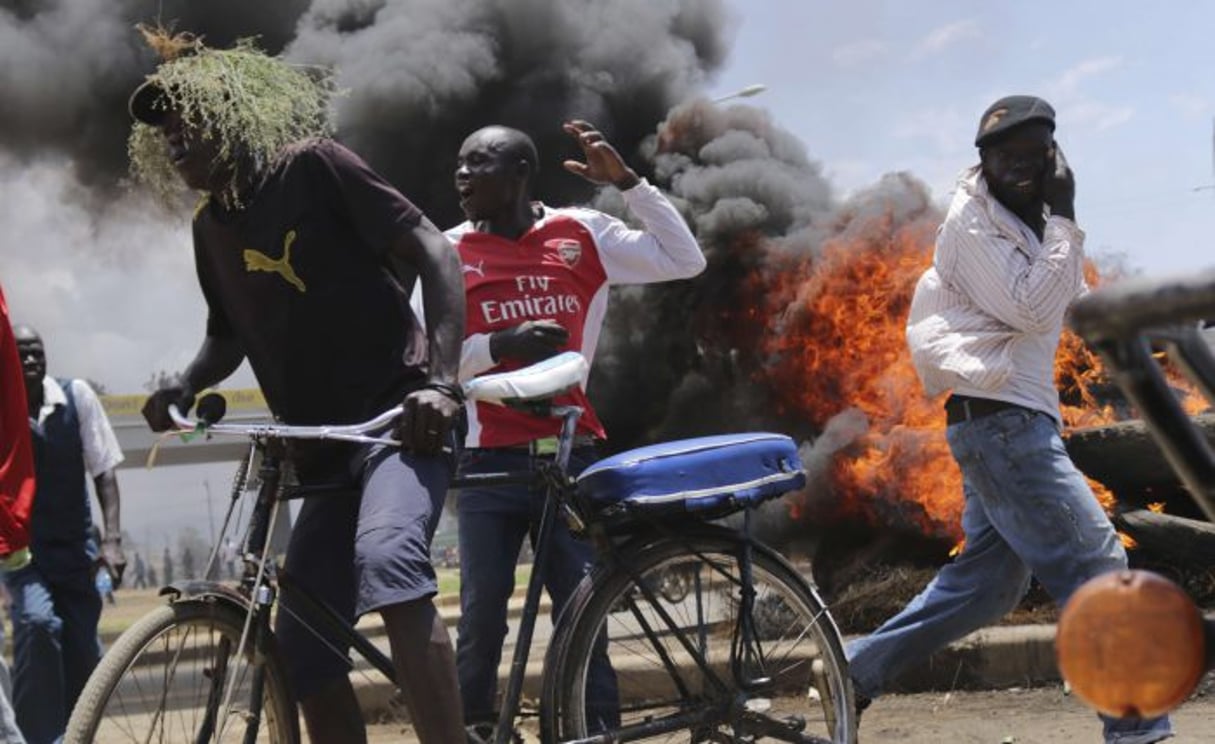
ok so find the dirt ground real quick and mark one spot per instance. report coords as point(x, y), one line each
point(1017, 716)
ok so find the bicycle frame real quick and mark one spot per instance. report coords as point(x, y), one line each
point(553, 478)
point(1121, 322)
point(1124, 323)
point(262, 583)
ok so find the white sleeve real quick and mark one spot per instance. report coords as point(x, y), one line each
point(101, 450)
point(664, 250)
point(474, 352)
point(1030, 295)
point(475, 357)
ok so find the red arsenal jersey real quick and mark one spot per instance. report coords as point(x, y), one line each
point(552, 272)
point(561, 269)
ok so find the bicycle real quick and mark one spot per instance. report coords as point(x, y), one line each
point(745, 650)
point(1133, 643)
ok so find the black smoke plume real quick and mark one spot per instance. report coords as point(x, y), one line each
point(418, 75)
point(104, 279)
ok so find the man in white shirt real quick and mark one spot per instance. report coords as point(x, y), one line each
point(56, 606)
point(985, 324)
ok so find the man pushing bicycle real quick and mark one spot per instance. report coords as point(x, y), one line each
point(305, 257)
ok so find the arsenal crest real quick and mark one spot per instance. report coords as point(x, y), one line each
point(569, 250)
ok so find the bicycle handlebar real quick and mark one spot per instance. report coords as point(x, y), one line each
point(1130, 307)
point(1132, 643)
point(348, 432)
point(1121, 322)
point(544, 379)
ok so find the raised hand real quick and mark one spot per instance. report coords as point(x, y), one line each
point(603, 164)
point(1059, 185)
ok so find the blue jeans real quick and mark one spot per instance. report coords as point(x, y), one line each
point(9, 733)
point(55, 646)
point(1028, 512)
point(492, 524)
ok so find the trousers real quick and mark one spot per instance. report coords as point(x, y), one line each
point(1028, 512)
point(55, 646)
point(493, 521)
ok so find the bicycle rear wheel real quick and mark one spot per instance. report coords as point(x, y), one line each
point(162, 681)
point(685, 670)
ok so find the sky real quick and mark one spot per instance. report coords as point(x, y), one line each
point(872, 87)
point(869, 87)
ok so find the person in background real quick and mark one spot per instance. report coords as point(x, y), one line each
point(167, 565)
point(141, 573)
point(56, 606)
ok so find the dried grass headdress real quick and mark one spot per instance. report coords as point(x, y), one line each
point(254, 104)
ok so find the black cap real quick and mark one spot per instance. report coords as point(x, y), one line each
point(1009, 112)
point(147, 104)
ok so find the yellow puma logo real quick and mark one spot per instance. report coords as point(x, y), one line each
point(258, 261)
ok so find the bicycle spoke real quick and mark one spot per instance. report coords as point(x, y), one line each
point(167, 684)
point(676, 661)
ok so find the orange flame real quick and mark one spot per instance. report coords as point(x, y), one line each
point(837, 342)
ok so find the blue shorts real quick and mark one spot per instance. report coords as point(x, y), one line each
point(360, 552)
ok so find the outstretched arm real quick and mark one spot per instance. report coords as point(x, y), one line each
point(217, 358)
point(665, 249)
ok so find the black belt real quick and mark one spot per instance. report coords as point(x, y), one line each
point(548, 445)
point(961, 408)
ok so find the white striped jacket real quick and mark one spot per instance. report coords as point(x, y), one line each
point(986, 316)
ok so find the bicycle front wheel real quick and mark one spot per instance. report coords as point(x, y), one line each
point(164, 678)
point(694, 666)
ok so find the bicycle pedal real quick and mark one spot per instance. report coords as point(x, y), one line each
point(758, 705)
point(819, 672)
point(484, 733)
point(794, 723)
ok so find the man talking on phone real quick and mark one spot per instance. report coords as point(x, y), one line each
point(984, 325)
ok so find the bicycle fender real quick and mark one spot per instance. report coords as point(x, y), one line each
point(201, 589)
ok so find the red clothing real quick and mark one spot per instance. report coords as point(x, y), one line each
point(561, 269)
point(16, 454)
point(552, 272)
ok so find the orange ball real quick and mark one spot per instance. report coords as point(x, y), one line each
point(1131, 644)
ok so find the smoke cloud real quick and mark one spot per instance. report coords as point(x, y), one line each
point(109, 282)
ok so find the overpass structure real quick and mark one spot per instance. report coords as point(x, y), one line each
point(138, 441)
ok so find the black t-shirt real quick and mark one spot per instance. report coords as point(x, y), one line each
point(300, 277)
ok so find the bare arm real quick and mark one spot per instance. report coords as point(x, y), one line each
point(430, 412)
point(106, 485)
point(217, 358)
